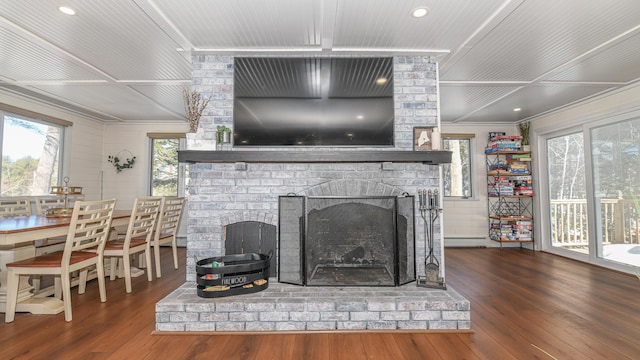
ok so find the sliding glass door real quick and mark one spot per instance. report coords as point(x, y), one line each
point(615, 150)
point(567, 193)
point(593, 190)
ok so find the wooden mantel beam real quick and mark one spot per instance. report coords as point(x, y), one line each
point(434, 157)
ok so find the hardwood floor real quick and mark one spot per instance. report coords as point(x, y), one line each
point(524, 306)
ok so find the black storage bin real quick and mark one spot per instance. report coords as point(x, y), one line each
point(232, 275)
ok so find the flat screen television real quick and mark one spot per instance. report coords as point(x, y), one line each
point(313, 101)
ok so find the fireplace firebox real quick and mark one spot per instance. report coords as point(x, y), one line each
point(346, 241)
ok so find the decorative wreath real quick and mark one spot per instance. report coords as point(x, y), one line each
point(115, 160)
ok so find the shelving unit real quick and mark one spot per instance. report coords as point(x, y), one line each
point(510, 197)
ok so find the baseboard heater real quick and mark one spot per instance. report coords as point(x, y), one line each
point(465, 241)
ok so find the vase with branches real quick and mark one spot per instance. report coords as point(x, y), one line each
point(194, 105)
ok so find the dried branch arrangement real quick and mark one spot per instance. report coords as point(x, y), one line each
point(194, 104)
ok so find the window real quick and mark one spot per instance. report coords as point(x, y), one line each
point(167, 175)
point(31, 153)
point(593, 186)
point(457, 174)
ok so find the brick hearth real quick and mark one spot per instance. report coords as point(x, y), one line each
point(284, 307)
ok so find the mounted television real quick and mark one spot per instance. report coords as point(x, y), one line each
point(313, 101)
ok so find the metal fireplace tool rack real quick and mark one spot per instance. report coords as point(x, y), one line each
point(429, 207)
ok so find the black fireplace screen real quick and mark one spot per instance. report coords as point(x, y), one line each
point(347, 241)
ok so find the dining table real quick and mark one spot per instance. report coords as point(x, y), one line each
point(17, 236)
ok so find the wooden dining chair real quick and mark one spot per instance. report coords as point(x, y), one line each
point(166, 229)
point(136, 238)
point(43, 204)
point(88, 229)
point(15, 206)
point(52, 244)
point(47, 202)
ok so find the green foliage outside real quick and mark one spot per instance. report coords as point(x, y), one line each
point(17, 176)
point(165, 167)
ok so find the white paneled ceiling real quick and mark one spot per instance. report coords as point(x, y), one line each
point(128, 60)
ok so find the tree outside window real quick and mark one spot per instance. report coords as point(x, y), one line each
point(30, 156)
point(167, 175)
point(457, 174)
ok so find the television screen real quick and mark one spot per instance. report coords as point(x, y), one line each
point(313, 101)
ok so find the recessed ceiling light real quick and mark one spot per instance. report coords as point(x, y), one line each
point(66, 10)
point(517, 109)
point(381, 81)
point(419, 12)
point(360, 117)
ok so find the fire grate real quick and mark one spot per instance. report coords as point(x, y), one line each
point(232, 275)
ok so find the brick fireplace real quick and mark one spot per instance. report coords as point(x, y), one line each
point(224, 193)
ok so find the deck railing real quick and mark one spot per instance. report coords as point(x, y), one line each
point(620, 222)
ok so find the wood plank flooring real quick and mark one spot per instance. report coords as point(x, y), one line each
point(524, 305)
